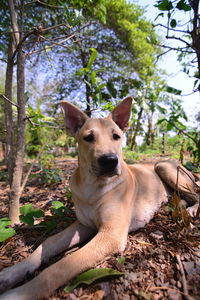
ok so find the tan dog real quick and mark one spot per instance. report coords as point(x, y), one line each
point(111, 199)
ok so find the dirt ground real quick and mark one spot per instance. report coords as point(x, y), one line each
point(161, 261)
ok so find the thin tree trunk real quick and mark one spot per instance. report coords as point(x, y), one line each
point(150, 133)
point(9, 154)
point(163, 143)
point(133, 143)
point(195, 34)
point(15, 191)
point(86, 79)
point(15, 188)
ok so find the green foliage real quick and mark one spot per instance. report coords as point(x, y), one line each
point(95, 8)
point(121, 260)
point(3, 175)
point(167, 5)
point(48, 176)
point(5, 231)
point(28, 214)
point(173, 121)
point(164, 5)
point(135, 32)
point(90, 276)
point(130, 156)
point(38, 131)
point(59, 209)
point(184, 15)
point(192, 167)
point(89, 76)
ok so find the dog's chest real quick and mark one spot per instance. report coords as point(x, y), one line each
point(87, 214)
point(92, 200)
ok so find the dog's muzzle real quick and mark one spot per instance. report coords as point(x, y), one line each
point(108, 164)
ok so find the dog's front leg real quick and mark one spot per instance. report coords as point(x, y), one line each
point(102, 245)
point(74, 234)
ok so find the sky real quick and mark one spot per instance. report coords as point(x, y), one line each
point(176, 78)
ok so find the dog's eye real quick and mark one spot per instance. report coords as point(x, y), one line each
point(89, 138)
point(116, 136)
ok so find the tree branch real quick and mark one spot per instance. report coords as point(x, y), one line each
point(183, 132)
point(5, 98)
point(14, 21)
point(44, 4)
point(172, 29)
point(183, 41)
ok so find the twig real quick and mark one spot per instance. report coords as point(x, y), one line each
point(181, 130)
point(45, 4)
point(182, 41)
point(56, 26)
point(184, 282)
point(8, 100)
point(154, 288)
point(53, 43)
point(172, 29)
point(196, 187)
point(31, 167)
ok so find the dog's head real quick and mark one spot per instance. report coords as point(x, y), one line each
point(99, 140)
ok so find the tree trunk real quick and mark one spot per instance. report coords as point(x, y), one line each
point(88, 93)
point(137, 127)
point(163, 143)
point(15, 191)
point(9, 153)
point(150, 133)
point(195, 34)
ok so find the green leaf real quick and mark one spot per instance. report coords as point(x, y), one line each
point(121, 260)
point(58, 208)
point(4, 222)
point(173, 23)
point(37, 213)
point(169, 126)
point(26, 209)
point(111, 88)
point(27, 219)
point(5, 233)
point(173, 90)
point(90, 276)
point(159, 15)
point(161, 109)
point(93, 77)
point(182, 5)
point(57, 204)
point(161, 121)
point(92, 58)
point(49, 225)
point(164, 5)
point(84, 70)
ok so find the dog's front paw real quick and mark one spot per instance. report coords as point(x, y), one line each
point(16, 294)
point(193, 210)
point(11, 276)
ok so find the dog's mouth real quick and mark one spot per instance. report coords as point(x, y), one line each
point(107, 173)
point(106, 165)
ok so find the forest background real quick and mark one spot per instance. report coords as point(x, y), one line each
point(93, 54)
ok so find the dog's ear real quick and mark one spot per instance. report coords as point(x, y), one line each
point(121, 113)
point(74, 117)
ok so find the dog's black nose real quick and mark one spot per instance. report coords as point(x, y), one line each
point(108, 161)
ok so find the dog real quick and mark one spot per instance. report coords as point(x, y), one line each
point(111, 199)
